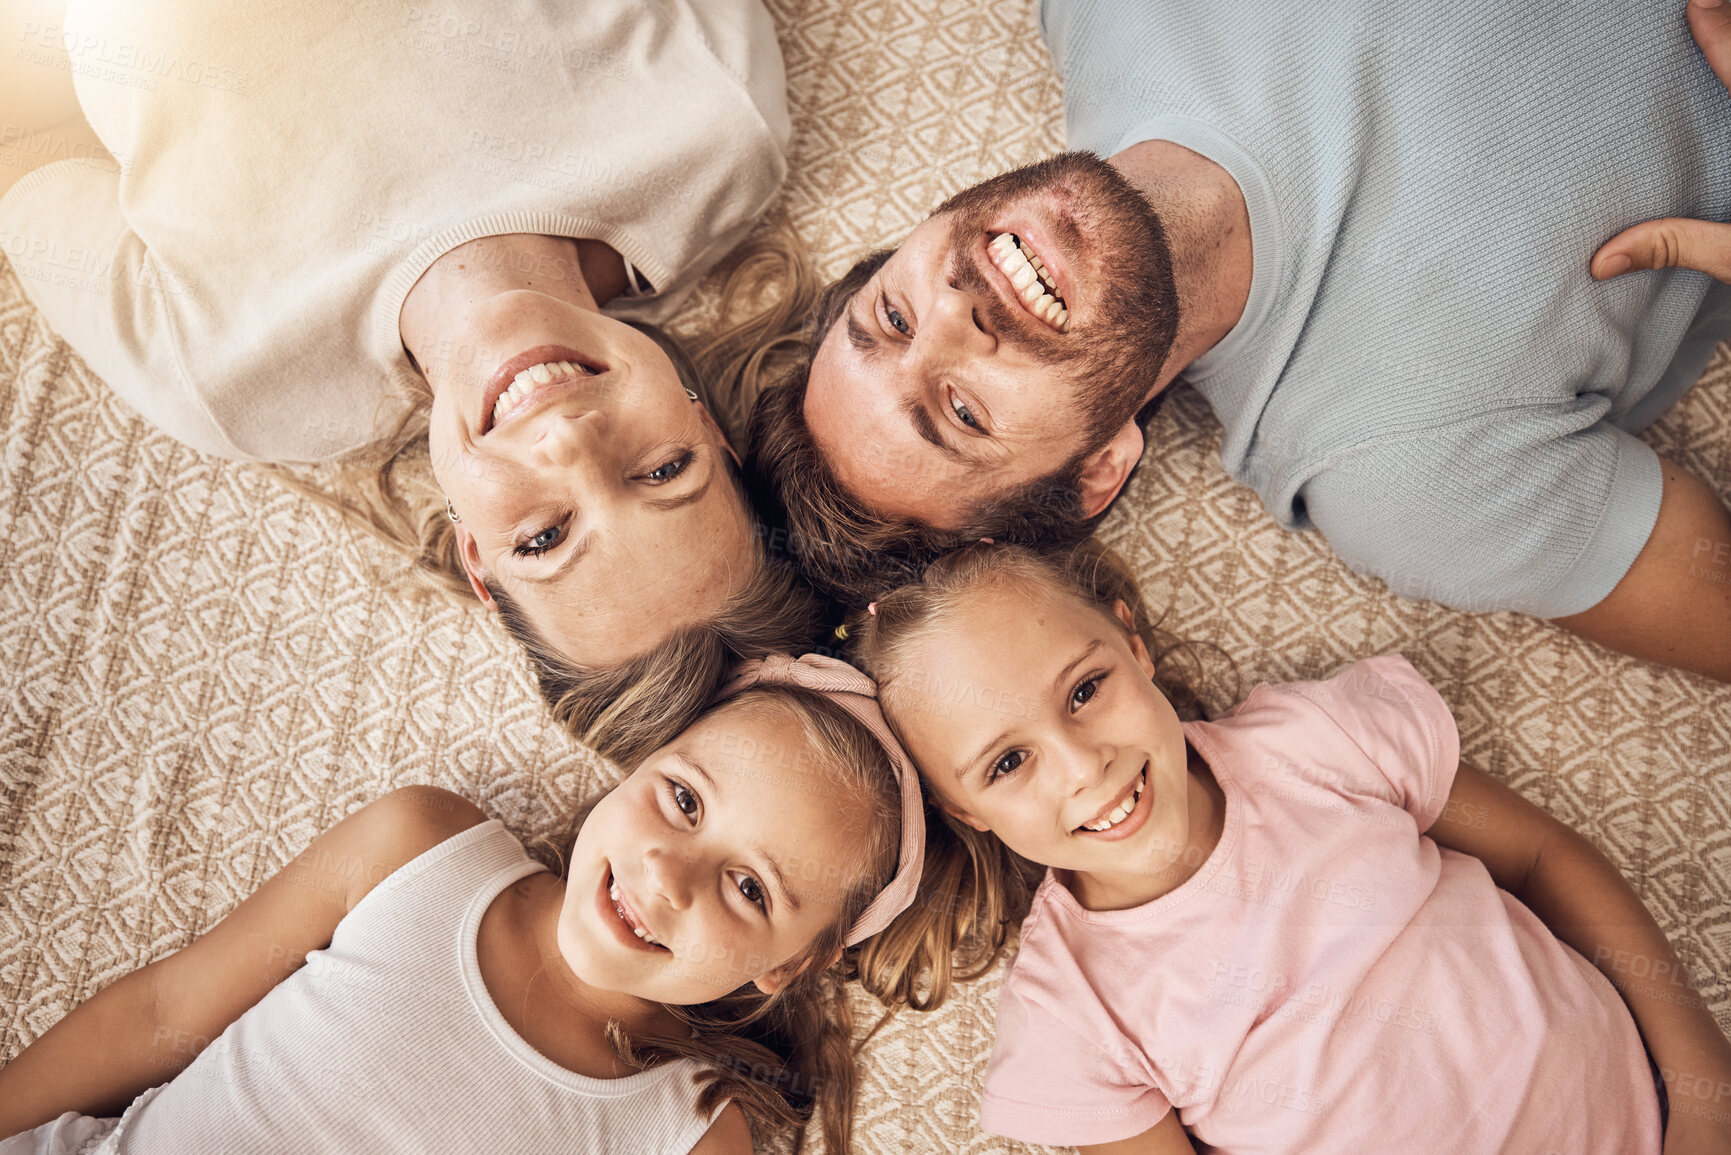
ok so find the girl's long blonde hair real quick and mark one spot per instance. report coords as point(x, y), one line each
point(975, 889)
point(624, 711)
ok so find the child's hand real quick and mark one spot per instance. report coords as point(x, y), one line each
point(1675, 242)
point(1700, 1112)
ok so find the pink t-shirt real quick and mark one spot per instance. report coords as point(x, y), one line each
point(1329, 980)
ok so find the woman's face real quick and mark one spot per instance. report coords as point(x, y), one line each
point(729, 849)
point(590, 488)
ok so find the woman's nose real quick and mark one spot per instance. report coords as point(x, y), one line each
point(565, 441)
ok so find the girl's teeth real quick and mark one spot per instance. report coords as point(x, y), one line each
point(1122, 810)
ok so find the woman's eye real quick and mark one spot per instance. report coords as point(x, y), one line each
point(1007, 765)
point(896, 321)
point(752, 890)
point(1084, 692)
point(685, 800)
point(540, 543)
point(670, 469)
point(962, 412)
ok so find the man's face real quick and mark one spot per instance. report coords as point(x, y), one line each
point(1013, 333)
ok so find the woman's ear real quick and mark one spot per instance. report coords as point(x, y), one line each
point(1107, 469)
point(470, 555)
point(782, 975)
point(1127, 618)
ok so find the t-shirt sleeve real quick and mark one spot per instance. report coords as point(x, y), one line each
point(1046, 1083)
point(1402, 726)
point(1540, 510)
point(97, 285)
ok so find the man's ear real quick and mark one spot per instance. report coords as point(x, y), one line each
point(470, 555)
point(774, 980)
point(1127, 618)
point(709, 420)
point(1108, 468)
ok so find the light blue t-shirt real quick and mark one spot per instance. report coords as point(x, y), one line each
point(1425, 371)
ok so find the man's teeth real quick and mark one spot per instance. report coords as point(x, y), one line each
point(525, 382)
point(1121, 811)
point(1028, 276)
point(619, 909)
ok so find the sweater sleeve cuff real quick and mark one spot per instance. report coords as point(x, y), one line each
point(1631, 510)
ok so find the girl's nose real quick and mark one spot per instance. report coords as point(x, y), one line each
point(1081, 762)
point(667, 877)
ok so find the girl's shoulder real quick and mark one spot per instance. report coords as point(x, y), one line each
point(394, 830)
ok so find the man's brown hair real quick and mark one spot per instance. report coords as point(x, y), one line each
point(845, 549)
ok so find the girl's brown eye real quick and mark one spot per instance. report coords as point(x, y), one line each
point(685, 800)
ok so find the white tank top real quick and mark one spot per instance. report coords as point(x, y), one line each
point(389, 1042)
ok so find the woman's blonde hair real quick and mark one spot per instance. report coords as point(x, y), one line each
point(784, 1056)
point(624, 711)
point(975, 888)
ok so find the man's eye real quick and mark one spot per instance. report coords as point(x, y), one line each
point(669, 469)
point(896, 321)
point(540, 543)
point(962, 412)
point(752, 890)
point(1006, 765)
point(685, 800)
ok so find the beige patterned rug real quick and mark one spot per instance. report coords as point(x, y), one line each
point(199, 671)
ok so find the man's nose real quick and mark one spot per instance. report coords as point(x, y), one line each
point(953, 324)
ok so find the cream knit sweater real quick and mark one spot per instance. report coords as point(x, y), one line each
point(288, 170)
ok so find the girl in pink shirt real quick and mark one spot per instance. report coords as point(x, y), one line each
point(1305, 926)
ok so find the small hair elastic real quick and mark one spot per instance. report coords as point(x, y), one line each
point(872, 609)
point(841, 632)
point(451, 510)
point(858, 695)
point(987, 541)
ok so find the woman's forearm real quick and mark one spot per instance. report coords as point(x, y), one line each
point(96, 1060)
point(1588, 904)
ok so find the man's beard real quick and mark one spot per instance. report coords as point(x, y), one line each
point(1110, 362)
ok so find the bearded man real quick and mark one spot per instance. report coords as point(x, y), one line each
point(1365, 233)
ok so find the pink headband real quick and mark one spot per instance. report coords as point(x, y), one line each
point(858, 695)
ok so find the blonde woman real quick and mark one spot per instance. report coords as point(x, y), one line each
point(373, 233)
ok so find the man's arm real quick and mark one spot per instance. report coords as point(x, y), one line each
point(1576, 891)
point(1674, 605)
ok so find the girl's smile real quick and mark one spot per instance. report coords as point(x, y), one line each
point(1088, 773)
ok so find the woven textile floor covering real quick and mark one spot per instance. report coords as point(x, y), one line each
point(201, 670)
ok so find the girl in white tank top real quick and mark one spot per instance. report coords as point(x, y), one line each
point(414, 982)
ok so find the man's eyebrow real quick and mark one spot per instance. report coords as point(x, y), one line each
point(928, 429)
point(690, 497)
point(861, 338)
